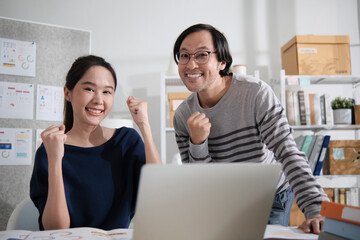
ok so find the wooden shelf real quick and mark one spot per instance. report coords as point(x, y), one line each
point(330, 79)
point(316, 128)
point(169, 129)
point(338, 181)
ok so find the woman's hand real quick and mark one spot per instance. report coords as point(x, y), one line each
point(56, 213)
point(54, 138)
point(138, 110)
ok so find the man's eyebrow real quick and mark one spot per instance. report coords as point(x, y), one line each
point(199, 48)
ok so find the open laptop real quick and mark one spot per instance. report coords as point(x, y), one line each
point(205, 201)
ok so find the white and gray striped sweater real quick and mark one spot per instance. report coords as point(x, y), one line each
point(248, 124)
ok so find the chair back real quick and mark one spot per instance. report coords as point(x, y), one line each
point(24, 217)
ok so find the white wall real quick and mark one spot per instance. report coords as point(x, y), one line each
point(137, 36)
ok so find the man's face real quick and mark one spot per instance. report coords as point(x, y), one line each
point(199, 77)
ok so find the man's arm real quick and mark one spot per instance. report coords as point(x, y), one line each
point(192, 144)
point(277, 135)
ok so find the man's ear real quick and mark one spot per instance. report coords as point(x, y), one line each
point(67, 94)
point(222, 65)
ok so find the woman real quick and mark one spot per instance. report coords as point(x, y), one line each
point(86, 175)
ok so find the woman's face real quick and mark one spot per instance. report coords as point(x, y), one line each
point(92, 96)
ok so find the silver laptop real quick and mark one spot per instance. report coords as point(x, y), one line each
point(205, 201)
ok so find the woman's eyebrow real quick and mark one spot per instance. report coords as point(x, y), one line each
point(93, 84)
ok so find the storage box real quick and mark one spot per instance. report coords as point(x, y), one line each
point(317, 55)
point(341, 156)
point(175, 99)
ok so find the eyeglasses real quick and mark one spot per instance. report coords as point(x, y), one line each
point(201, 57)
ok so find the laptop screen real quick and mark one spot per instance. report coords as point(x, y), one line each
point(205, 201)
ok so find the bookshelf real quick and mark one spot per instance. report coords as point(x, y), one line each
point(168, 145)
point(323, 83)
point(328, 82)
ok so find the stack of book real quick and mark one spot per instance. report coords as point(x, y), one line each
point(348, 196)
point(303, 108)
point(315, 147)
point(341, 221)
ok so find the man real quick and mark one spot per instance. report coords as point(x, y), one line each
point(231, 118)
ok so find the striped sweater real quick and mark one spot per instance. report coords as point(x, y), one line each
point(248, 124)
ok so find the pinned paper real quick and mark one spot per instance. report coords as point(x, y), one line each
point(15, 146)
point(293, 80)
point(338, 153)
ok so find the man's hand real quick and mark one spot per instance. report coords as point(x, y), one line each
point(312, 225)
point(199, 127)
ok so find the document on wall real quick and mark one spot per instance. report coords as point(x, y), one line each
point(16, 100)
point(49, 103)
point(38, 137)
point(15, 146)
point(17, 57)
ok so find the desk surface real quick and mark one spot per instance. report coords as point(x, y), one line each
point(272, 232)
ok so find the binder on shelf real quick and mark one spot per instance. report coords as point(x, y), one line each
point(328, 110)
point(296, 108)
point(329, 236)
point(307, 108)
point(321, 159)
point(312, 109)
point(346, 213)
point(317, 109)
point(311, 146)
point(306, 145)
point(341, 228)
point(299, 140)
point(315, 153)
point(322, 109)
point(342, 196)
point(290, 111)
point(301, 99)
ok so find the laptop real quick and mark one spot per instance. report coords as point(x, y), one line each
point(205, 201)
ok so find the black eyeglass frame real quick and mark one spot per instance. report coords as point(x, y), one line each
point(178, 57)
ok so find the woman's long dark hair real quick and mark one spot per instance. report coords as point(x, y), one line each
point(76, 72)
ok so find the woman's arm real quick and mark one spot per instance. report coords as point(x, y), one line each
point(138, 110)
point(56, 213)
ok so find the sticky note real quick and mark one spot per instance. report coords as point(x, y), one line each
point(292, 80)
point(304, 81)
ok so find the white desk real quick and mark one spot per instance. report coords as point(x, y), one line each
point(272, 232)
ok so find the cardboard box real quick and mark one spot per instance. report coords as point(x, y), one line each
point(317, 55)
point(341, 156)
point(175, 99)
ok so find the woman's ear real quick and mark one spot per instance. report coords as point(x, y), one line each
point(67, 94)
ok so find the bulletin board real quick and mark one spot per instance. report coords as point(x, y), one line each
point(56, 49)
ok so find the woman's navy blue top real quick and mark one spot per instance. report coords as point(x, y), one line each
point(100, 182)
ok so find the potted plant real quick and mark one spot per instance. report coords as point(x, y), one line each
point(342, 108)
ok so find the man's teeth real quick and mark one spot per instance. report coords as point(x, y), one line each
point(194, 75)
point(93, 110)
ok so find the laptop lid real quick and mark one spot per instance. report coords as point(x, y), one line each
point(205, 201)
